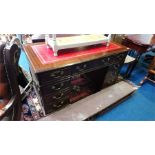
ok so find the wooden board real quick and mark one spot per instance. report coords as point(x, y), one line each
point(93, 104)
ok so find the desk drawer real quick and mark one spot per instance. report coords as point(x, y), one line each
point(114, 59)
point(53, 76)
point(56, 96)
point(55, 87)
point(83, 67)
point(56, 105)
point(103, 62)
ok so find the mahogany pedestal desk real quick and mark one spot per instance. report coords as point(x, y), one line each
point(53, 76)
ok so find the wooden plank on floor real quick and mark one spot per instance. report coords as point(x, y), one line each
point(93, 104)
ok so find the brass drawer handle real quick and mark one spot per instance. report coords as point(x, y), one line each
point(57, 74)
point(108, 59)
point(103, 60)
point(58, 88)
point(76, 88)
point(83, 67)
point(59, 96)
point(58, 105)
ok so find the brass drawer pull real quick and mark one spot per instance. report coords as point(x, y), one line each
point(57, 74)
point(103, 60)
point(58, 105)
point(83, 67)
point(108, 59)
point(58, 96)
point(76, 88)
point(58, 88)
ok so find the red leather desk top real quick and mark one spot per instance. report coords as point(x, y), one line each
point(45, 54)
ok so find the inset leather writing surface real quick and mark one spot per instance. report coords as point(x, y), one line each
point(46, 56)
point(41, 58)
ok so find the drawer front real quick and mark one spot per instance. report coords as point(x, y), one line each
point(55, 101)
point(91, 65)
point(53, 106)
point(83, 67)
point(53, 76)
point(49, 99)
point(114, 59)
point(55, 87)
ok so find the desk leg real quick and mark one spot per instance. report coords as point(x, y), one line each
point(55, 53)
